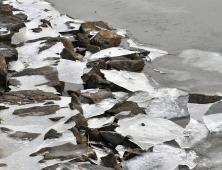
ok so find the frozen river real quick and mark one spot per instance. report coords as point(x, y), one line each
point(189, 30)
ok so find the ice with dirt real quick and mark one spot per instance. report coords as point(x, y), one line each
point(144, 136)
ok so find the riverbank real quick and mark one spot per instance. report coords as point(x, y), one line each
point(121, 119)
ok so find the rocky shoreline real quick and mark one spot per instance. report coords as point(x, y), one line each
point(113, 116)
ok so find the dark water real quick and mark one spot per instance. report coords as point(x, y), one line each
point(171, 25)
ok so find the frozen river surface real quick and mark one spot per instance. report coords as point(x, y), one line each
point(190, 30)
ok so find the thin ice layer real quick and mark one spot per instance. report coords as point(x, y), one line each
point(194, 132)
point(163, 103)
point(155, 131)
point(111, 52)
point(151, 161)
point(154, 53)
point(91, 110)
point(129, 80)
point(100, 122)
point(213, 122)
point(71, 71)
point(182, 156)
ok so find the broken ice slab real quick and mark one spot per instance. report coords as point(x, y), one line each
point(164, 103)
point(91, 110)
point(129, 80)
point(194, 132)
point(183, 157)
point(154, 53)
point(63, 23)
point(111, 52)
point(151, 161)
point(147, 131)
point(213, 122)
point(197, 111)
point(71, 71)
point(100, 122)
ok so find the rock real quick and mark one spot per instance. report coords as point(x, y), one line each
point(3, 165)
point(5, 130)
point(74, 106)
point(37, 111)
point(92, 48)
point(75, 99)
point(110, 127)
point(203, 99)
point(24, 135)
point(112, 137)
point(81, 51)
point(93, 134)
point(55, 119)
point(27, 96)
point(106, 39)
point(5, 9)
point(94, 26)
point(95, 70)
point(21, 16)
point(132, 153)
point(83, 39)
point(128, 65)
point(13, 25)
point(81, 139)
point(96, 81)
point(9, 53)
point(80, 120)
point(52, 134)
point(102, 64)
point(37, 30)
point(3, 107)
point(48, 103)
point(66, 151)
point(110, 161)
point(125, 106)
point(72, 166)
point(50, 73)
point(3, 74)
point(46, 23)
point(92, 98)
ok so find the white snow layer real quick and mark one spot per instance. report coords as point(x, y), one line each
point(155, 131)
point(71, 71)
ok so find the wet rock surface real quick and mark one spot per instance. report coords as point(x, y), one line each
point(9, 53)
point(106, 39)
point(37, 111)
point(28, 96)
point(95, 26)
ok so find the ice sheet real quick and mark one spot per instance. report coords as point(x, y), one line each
point(129, 80)
point(183, 157)
point(151, 161)
point(154, 53)
point(71, 71)
point(213, 122)
point(144, 136)
point(111, 52)
point(194, 132)
point(100, 122)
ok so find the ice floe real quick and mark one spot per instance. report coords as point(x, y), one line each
point(100, 122)
point(154, 53)
point(155, 131)
point(213, 122)
point(71, 71)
